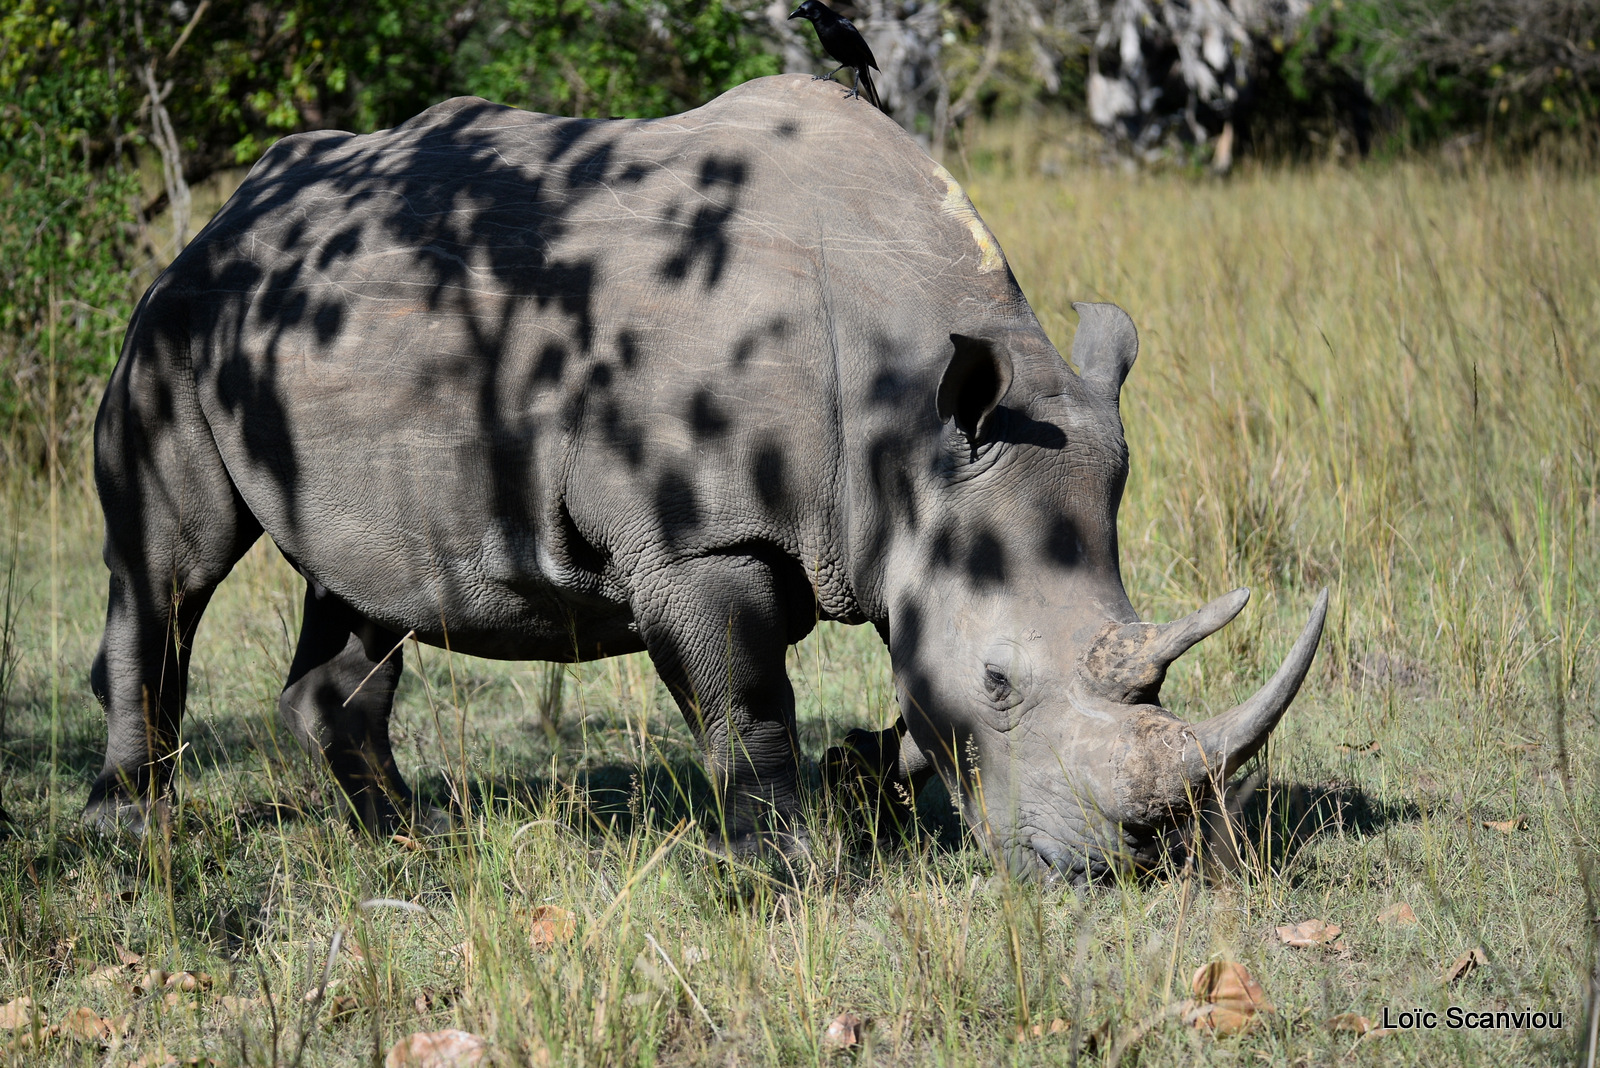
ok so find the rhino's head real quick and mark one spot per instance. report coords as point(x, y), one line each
point(1026, 678)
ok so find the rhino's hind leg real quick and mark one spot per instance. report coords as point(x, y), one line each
point(141, 678)
point(337, 701)
point(175, 526)
point(717, 629)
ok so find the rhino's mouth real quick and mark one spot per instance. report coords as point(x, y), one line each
point(1137, 851)
point(1058, 864)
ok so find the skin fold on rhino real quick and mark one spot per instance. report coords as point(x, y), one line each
point(539, 388)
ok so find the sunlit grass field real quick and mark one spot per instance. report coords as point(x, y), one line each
point(1382, 380)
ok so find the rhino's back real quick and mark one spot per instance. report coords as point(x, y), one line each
point(514, 358)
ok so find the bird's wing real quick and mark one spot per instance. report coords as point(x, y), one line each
point(866, 48)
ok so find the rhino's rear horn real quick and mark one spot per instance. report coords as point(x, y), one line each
point(1221, 744)
point(1128, 661)
point(1105, 345)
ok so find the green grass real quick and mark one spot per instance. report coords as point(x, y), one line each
point(1386, 381)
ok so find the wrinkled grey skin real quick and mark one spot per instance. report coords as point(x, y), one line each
point(542, 388)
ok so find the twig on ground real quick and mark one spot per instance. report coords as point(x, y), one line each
point(687, 989)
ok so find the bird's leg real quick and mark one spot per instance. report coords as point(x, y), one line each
point(830, 74)
point(855, 83)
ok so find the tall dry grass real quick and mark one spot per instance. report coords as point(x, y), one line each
point(1383, 380)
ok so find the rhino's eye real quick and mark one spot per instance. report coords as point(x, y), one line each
point(996, 683)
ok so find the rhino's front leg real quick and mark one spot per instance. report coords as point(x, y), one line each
point(717, 629)
point(880, 772)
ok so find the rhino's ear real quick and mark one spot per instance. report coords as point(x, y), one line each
point(1105, 345)
point(978, 375)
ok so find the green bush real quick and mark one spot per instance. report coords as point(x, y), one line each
point(1519, 72)
point(623, 58)
point(67, 235)
point(74, 241)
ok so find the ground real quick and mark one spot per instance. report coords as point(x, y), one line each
point(1385, 380)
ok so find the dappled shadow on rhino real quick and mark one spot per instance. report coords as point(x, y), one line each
point(541, 388)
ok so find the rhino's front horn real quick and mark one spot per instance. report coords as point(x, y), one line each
point(1128, 661)
point(1225, 742)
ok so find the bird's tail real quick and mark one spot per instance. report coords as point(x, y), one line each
point(868, 90)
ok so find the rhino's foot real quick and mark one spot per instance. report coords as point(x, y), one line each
point(758, 861)
point(792, 844)
point(119, 817)
point(431, 821)
point(427, 824)
point(410, 819)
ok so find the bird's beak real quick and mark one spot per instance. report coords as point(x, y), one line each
point(795, 13)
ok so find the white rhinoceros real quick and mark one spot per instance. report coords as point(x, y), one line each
point(543, 388)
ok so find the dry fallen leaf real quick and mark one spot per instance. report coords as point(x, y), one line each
point(1058, 1026)
point(551, 924)
point(1463, 965)
point(127, 956)
point(31, 1038)
point(1349, 1021)
point(438, 1049)
point(342, 1006)
point(844, 1032)
point(1507, 826)
point(409, 844)
point(109, 977)
point(1309, 934)
point(188, 982)
point(153, 979)
point(157, 1060)
point(17, 1013)
point(85, 1025)
point(1227, 998)
point(1399, 915)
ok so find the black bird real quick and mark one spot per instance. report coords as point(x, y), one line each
point(843, 42)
